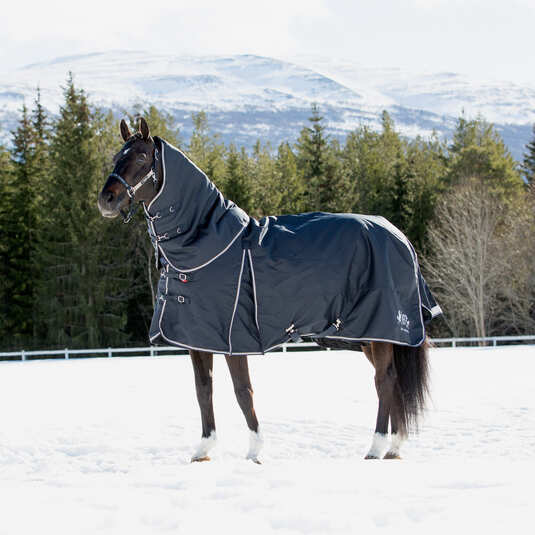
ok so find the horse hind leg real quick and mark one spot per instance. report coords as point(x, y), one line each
point(396, 435)
point(381, 355)
point(239, 371)
point(203, 368)
point(411, 391)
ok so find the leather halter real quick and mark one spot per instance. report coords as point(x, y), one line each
point(131, 190)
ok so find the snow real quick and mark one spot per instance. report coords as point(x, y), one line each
point(102, 446)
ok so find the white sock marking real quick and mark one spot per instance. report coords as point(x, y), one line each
point(379, 445)
point(397, 441)
point(204, 447)
point(256, 441)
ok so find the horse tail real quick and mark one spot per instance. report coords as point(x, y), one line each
point(412, 385)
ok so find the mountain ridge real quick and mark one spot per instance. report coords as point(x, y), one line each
point(249, 97)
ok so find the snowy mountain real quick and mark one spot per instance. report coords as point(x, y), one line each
point(251, 97)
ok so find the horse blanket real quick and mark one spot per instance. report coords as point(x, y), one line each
point(236, 285)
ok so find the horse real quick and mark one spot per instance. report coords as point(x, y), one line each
point(401, 369)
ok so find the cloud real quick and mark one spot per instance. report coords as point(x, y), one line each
point(476, 36)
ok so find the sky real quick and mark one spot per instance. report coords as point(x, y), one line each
point(482, 38)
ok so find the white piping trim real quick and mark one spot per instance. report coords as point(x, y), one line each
point(235, 303)
point(224, 352)
point(435, 311)
point(368, 339)
point(208, 261)
point(416, 269)
point(263, 232)
point(163, 172)
point(254, 291)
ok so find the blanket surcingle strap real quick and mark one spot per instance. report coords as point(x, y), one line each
point(236, 285)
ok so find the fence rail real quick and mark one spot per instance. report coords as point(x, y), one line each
point(152, 351)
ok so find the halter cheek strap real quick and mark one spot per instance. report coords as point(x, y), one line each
point(131, 190)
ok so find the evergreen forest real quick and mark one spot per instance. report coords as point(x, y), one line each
point(70, 278)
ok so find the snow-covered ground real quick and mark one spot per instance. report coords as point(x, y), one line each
point(102, 446)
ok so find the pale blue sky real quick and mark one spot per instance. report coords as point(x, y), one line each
point(483, 38)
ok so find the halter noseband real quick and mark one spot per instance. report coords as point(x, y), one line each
point(131, 190)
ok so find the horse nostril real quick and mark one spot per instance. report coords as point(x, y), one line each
point(109, 196)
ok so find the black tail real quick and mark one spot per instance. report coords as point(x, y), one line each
point(412, 385)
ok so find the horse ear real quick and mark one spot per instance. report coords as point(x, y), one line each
point(144, 128)
point(125, 131)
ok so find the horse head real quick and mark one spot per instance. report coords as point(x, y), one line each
point(135, 176)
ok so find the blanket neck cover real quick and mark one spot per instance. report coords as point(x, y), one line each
point(235, 285)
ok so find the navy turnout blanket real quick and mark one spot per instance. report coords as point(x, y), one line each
point(232, 284)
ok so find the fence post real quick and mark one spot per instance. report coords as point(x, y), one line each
point(453, 343)
point(152, 351)
point(23, 354)
point(284, 348)
point(109, 353)
point(67, 353)
point(494, 342)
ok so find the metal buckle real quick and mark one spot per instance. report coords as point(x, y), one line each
point(183, 277)
point(162, 237)
point(337, 324)
point(181, 299)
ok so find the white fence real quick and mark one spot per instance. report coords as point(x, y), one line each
point(153, 351)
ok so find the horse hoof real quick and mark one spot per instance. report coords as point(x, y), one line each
point(200, 459)
point(392, 455)
point(255, 460)
point(371, 457)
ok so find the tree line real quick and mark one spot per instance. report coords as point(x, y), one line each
point(70, 278)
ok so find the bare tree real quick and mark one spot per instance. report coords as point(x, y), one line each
point(481, 262)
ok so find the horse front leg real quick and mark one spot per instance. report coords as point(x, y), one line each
point(202, 368)
point(239, 371)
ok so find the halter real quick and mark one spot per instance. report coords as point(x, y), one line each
point(131, 190)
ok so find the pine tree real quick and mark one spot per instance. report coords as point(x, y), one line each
point(312, 157)
point(161, 123)
point(528, 165)
point(290, 181)
point(479, 154)
point(427, 168)
point(6, 176)
point(19, 228)
point(401, 197)
point(206, 150)
point(76, 290)
point(238, 187)
point(266, 186)
point(371, 160)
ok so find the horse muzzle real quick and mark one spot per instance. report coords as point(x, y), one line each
point(109, 203)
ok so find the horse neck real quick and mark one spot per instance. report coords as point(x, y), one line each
point(159, 175)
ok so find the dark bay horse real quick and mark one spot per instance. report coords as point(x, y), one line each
point(401, 371)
